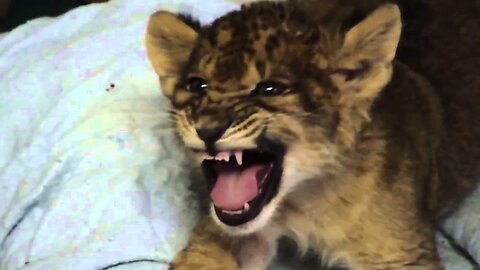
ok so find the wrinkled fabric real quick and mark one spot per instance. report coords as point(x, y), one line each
point(91, 175)
point(90, 172)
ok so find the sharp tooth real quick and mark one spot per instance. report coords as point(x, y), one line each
point(227, 157)
point(238, 157)
point(246, 207)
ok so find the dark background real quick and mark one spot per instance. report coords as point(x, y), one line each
point(16, 12)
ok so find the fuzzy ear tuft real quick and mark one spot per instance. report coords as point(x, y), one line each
point(363, 64)
point(375, 39)
point(169, 42)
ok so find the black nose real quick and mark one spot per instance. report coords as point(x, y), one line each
point(211, 135)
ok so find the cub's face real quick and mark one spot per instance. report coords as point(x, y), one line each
point(265, 99)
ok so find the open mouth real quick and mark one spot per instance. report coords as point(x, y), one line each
point(242, 182)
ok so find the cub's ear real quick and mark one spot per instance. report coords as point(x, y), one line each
point(375, 38)
point(368, 51)
point(169, 41)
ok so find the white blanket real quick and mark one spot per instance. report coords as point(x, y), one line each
point(90, 172)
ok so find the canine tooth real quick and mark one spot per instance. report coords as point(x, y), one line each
point(239, 157)
point(246, 207)
point(226, 158)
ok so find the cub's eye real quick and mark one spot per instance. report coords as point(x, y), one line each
point(197, 85)
point(269, 88)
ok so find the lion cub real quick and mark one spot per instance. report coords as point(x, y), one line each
point(306, 126)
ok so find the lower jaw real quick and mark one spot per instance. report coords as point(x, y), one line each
point(255, 225)
point(257, 205)
point(278, 150)
point(236, 220)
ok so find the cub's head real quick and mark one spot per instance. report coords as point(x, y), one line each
point(266, 99)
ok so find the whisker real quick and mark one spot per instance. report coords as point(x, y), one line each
point(172, 112)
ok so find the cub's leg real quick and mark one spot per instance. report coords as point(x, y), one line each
point(211, 249)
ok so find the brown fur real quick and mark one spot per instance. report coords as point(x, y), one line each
point(378, 150)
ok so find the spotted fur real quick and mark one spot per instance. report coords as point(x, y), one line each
point(372, 161)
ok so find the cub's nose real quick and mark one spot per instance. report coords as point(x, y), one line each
point(212, 134)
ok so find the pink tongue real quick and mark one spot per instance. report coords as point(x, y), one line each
point(234, 188)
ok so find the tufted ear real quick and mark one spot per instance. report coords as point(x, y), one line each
point(368, 51)
point(169, 41)
point(375, 38)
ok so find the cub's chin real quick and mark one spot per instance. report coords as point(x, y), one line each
point(256, 224)
point(244, 184)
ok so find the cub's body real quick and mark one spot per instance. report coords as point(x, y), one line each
point(365, 154)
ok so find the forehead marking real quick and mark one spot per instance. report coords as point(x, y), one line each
point(251, 77)
point(261, 67)
point(223, 37)
point(209, 66)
